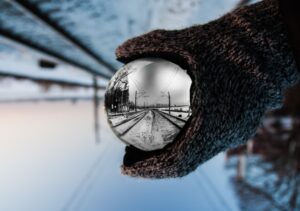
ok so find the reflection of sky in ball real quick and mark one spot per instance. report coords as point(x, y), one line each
point(154, 78)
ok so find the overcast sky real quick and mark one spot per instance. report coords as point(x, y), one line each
point(153, 81)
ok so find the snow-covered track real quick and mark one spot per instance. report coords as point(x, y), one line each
point(129, 128)
point(180, 122)
point(129, 119)
point(167, 118)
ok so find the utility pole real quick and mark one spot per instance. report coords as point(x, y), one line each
point(135, 101)
point(96, 110)
point(169, 97)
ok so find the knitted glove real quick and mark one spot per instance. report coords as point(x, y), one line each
point(240, 65)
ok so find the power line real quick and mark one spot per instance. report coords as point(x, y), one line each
point(83, 183)
point(202, 187)
point(139, 84)
point(166, 89)
point(137, 87)
point(214, 189)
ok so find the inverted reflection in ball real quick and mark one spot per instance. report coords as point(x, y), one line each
point(148, 102)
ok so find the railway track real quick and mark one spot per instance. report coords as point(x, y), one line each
point(179, 123)
point(168, 119)
point(129, 119)
point(159, 118)
point(135, 120)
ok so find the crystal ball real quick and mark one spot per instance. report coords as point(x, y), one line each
point(147, 102)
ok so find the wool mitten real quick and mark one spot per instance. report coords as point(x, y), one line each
point(240, 65)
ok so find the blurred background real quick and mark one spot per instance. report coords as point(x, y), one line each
point(56, 149)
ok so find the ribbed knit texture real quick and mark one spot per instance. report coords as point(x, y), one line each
point(240, 65)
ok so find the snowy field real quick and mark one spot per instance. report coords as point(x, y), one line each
point(146, 129)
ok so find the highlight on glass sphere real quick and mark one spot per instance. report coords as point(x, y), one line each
point(148, 102)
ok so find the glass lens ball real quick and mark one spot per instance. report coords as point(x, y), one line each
point(147, 102)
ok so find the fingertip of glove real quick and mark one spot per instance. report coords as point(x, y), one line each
point(131, 48)
point(127, 51)
point(121, 53)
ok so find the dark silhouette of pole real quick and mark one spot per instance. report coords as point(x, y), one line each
point(96, 111)
point(169, 97)
point(135, 101)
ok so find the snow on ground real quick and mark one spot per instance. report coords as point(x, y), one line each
point(22, 61)
point(182, 112)
point(18, 60)
point(81, 175)
point(122, 117)
point(146, 131)
point(117, 21)
point(153, 131)
point(182, 115)
point(120, 20)
point(18, 21)
point(179, 121)
point(122, 128)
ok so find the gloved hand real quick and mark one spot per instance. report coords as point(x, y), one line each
point(240, 65)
